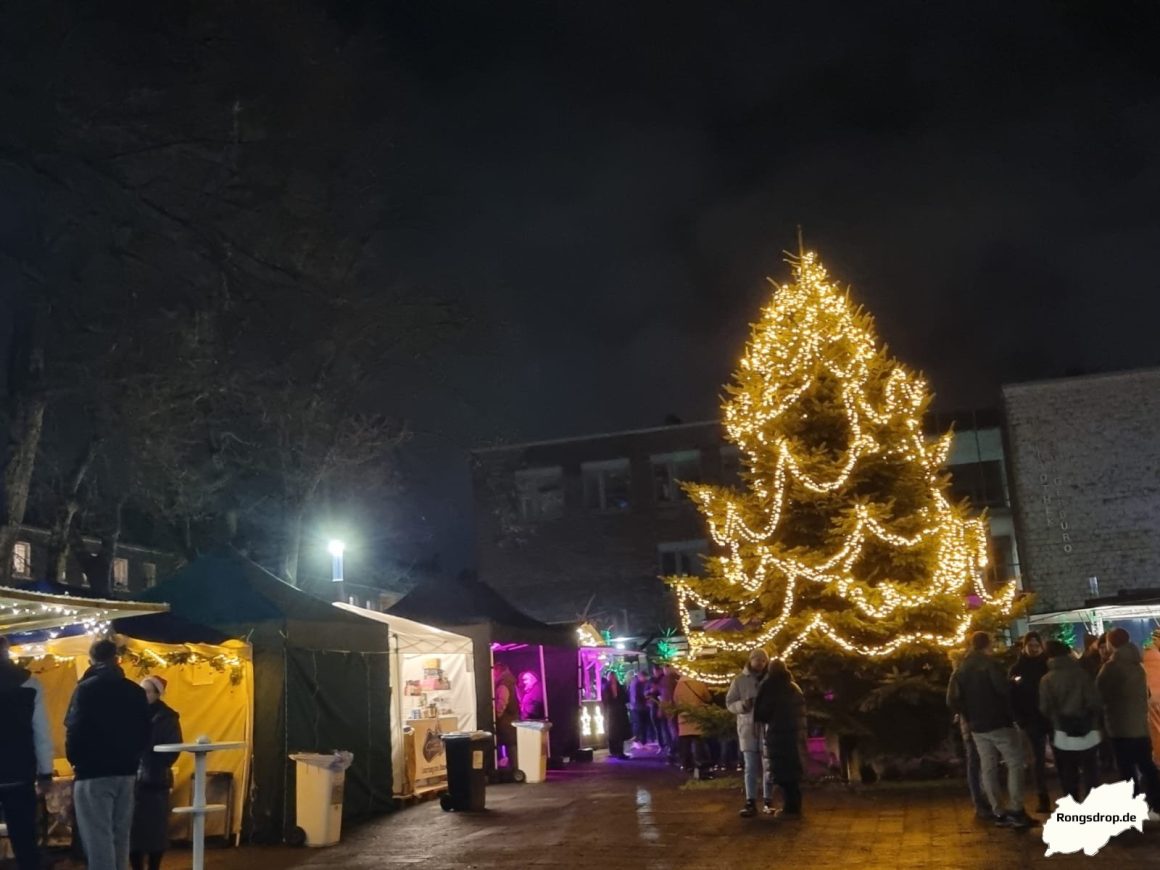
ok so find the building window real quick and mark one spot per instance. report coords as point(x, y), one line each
point(682, 557)
point(981, 483)
point(540, 492)
point(1003, 567)
point(149, 571)
point(670, 470)
point(22, 559)
point(120, 573)
point(606, 485)
point(731, 464)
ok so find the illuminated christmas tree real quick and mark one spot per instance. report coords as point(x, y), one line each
point(842, 536)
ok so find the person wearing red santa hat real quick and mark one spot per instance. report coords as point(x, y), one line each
point(150, 837)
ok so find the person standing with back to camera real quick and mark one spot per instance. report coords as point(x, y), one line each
point(107, 732)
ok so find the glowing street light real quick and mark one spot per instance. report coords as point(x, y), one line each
point(336, 548)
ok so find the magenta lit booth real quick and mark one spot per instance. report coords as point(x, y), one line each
point(500, 632)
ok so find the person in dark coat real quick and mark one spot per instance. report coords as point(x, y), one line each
point(781, 707)
point(150, 834)
point(638, 687)
point(659, 721)
point(106, 733)
point(507, 712)
point(531, 694)
point(1069, 699)
point(1025, 675)
point(1123, 688)
point(615, 702)
point(25, 756)
point(1093, 658)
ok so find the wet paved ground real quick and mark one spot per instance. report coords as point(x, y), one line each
point(608, 816)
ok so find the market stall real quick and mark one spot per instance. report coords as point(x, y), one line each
point(321, 683)
point(28, 610)
point(432, 692)
point(502, 633)
point(49, 613)
point(209, 682)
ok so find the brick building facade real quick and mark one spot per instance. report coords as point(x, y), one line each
point(134, 567)
point(582, 528)
point(1085, 467)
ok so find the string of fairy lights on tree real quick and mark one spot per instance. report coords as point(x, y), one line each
point(813, 351)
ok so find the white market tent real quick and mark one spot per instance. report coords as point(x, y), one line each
point(22, 610)
point(411, 644)
point(1133, 604)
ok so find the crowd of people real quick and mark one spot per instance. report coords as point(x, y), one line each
point(1093, 715)
point(658, 709)
point(121, 789)
point(665, 708)
point(1095, 712)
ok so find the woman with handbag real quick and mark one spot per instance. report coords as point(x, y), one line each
point(1069, 700)
point(150, 836)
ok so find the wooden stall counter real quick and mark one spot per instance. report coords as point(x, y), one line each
point(426, 761)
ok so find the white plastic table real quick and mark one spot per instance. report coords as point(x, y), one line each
point(199, 749)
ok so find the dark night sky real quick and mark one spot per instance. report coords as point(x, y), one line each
point(605, 186)
point(610, 183)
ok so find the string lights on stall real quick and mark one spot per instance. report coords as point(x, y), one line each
point(144, 661)
point(813, 351)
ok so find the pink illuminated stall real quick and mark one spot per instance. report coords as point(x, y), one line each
point(596, 656)
point(500, 632)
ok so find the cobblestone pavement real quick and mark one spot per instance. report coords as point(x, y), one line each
point(633, 815)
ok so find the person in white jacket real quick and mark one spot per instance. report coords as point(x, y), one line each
point(25, 756)
point(739, 701)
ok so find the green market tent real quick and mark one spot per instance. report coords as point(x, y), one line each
point(321, 683)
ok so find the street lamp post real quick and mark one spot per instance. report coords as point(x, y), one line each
point(336, 549)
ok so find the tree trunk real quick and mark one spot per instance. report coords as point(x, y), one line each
point(27, 401)
point(61, 535)
point(291, 551)
point(98, 567)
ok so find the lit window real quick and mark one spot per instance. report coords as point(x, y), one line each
point(606, 485)
point(149, 571)
point(22, 559)
point(120, 573)
point(670, 470)
point(682, 557)
point(540, 492)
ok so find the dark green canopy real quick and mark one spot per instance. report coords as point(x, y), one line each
point(471, 607)
point(320, 682)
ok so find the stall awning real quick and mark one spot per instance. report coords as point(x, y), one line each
point(414, 636)
point(1129, 604)
point(22, 611)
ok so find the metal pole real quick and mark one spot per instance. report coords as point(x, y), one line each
point(544, 687)
point(199, 760)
